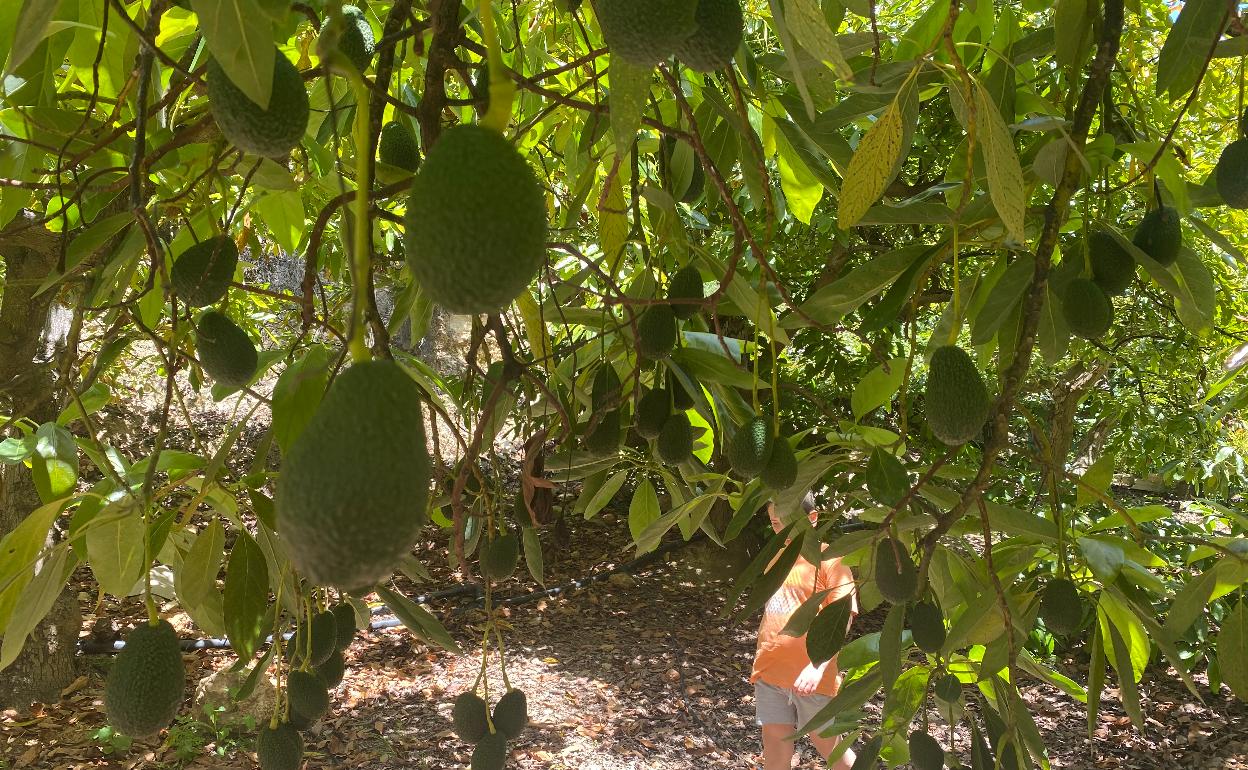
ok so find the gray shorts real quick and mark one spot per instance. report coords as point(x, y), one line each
point(778, 706)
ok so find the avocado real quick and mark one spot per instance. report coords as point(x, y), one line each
point(490, 753)
point(749, 449)
point(605, 392)
point(927, 627)
point(1061, 606)
point(147, 682)
point(308, 697)
point(500, 556)
point(511, 713)
point(645, 32)
point(682, 399)
point(956, 401)
point(603, 438)
point(1160, 235)
point(686, 284)
point(470, 717)
point(324, 639)
point(332, 670)
point(1113, 269)
point(271, 132)
point(948, 688)
point(720, 28)
point(226, 353)
point(201, 275)
point(476, 222)
point(357, 42)
point(780, 472)
point(656, 332)
point(354, 487)
point(1087, 309)
point(651, 413)
point(280, 748)
point(1231, 174)
point(397, 146)
point(925, 752)
point(675, 444)
point(895, 573)
point(344, 624)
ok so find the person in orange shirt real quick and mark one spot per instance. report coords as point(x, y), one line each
point(788, 688)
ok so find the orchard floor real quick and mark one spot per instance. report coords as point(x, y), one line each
point(630, 673)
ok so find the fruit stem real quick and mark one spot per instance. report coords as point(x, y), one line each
point(502, 90)
point(360, 232)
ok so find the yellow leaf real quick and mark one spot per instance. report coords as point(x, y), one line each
point(1005, 174)
point(613, 223)
point(872, 166)
point(810, 27)
point(534, 329)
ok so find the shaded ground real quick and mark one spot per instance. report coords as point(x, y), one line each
point(631, 673)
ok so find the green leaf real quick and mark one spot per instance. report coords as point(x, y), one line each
point(1013, 521)
point(802, 190)
point(1096, 678)
point(33, 22)
point(630, 87)
point(771, 580)
point(613, 223)
point(810, 28)
point(19, 550)
point(197, 576)
point(298, 393)
point(852, 695)
point(1098, 476)
point(1119, 651)
point(282, 213)
point(827, 632)
point(1005, 173)
point(1074, 34)
point(418, 620)
point(1233, 650)
point(1004, 297)
point(799, 622)
point(878, 387)
point(55, 466)
point(241, 40)
point(115, 547)
point(1188, 45)
point(1189, 603)
point(533, 554)
point(90, 240)
point(643, 510)
point(605, 493)
point(710, 366)
point(875, 162)
point(890, 646)
point(1105, 558)
point(904, 697)
point(93, 400)
point(246, 595)
point(36, 601)
point(846, 294)
point(887, 479)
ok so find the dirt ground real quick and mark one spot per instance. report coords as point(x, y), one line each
point(630, 673)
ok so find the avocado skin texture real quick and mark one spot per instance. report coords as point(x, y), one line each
point(605, 392)
point(332, 670)
point(1087, 309)
point(720, 27)
point(1113, 269)
point(652, 411)
point(147, 682)
point(1231, 174)
point(895, 573)
point(948, 688)
point(469, 717)
point(927, 627)
point(645, 32)
point(511, 713)
point(271, 132)
point(357, 42)
point(781, 469)
point(309, 698)
point(675, 444)
point(925, 752)
point(1061, 606)
point(750, 447)
point(226, 353)
point(603, 438)
point(476, 222)
point(279, 748)
point(352, 494)
point(490, 753)
point(344, 624)
point(1160, 235)
point(656, 332)
point(500, 557)
point(324, 639)
point(201, 275)
point(956, 401)
point(686, 284)
point(397, 146)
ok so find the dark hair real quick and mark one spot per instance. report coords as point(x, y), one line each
point(808, 503)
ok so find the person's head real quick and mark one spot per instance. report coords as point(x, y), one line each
point(809, 507)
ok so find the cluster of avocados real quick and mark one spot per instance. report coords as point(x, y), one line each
point(659, 416)
point(755, 452)
point(1231, 174)
point(317, 666)
point(488, 732)
point(657, 328)
point(703, 34)
point(956, 400)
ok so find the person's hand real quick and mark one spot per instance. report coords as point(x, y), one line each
point(808, 680)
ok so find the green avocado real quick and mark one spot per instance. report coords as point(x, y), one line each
point(720, 28)
point(344, 624)
point(490, 753)
point(332, 670)
point(956, 401)
point(645, 32)
point(357, 42)
point(1113, 269)
point(925, 752)
point(682, 399)
point(927, 627)
point(895, 573)
point(603, 438)
point(652, 411)
point(1087, 309)
point(226, 353)
point(605, 392)
point(470, 717)
point(511, 713)
point(1231, 174)
point(324, 639)
point(500, 557)
point(749, 449)
point(686, 284)
point(1160, 235)
point(656, 332)
point(948, 688)
point(1061, 606)
point(147, 682)
point(308, 696)
point(780, 472)
point(354, 487)
point(279, 748)
point(476, 222)
point(201, 275)
point(397, 146)
point(675, 444)
point(272, 132)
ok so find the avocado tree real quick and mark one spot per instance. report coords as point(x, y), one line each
point(955, 266)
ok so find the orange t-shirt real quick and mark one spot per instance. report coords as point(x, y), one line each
point(779, 658)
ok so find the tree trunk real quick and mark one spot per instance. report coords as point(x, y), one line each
point(47, 664)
